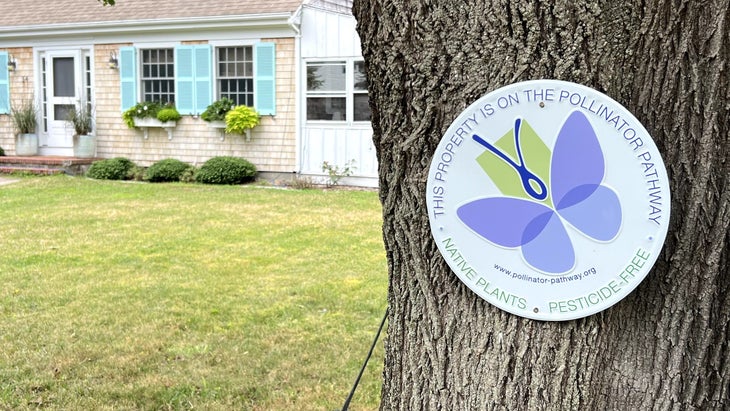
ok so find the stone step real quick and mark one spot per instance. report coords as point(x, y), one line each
point(30, 170)
point(51, 164)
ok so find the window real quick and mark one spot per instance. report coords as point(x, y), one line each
point(326, 91)
point(337, 91)
point(361, 109)
point(87, 78)
point(187, 75)
point(44, 96)
point(235, 74)
point(87, 85)
point(158, 75)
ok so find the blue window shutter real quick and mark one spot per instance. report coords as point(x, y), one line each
point(265, 78)
point(128, 76)
point(203, 77)
point(184, 80)
point(4, 84)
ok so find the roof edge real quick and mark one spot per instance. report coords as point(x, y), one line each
point(147, 26)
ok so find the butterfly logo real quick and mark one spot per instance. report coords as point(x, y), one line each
point(532, 215)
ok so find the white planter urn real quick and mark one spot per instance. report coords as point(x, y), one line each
point(26, 144)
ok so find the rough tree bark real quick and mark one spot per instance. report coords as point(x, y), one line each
point(665, 346)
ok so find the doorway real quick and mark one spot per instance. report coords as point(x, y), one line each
point(65, 85)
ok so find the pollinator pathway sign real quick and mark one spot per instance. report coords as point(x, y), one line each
point(548, 199)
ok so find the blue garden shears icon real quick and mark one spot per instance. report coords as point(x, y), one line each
point(528, 178)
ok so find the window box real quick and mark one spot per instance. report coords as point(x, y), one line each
point(146, 123)
point(219, 125)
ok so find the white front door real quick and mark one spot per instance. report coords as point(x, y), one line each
point(63, 90)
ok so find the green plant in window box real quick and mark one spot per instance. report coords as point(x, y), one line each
point(150, 109)
point(240, 119)
point(168, 113)
point(218, 109)
point(145, 109)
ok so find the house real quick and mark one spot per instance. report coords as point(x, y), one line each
point(297, 62)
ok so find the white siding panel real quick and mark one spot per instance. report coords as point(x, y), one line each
point(368, 165)
point(328, 35)
point(338, 146)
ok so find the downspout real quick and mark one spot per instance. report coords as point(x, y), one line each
point(295, 22)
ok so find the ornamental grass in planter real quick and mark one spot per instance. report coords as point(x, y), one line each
point(24, 117)
point(84, 142)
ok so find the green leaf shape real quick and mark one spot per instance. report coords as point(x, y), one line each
point(535, 154)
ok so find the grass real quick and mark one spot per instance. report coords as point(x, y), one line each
point(131, 296)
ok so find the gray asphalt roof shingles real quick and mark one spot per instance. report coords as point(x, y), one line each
point(60, 12)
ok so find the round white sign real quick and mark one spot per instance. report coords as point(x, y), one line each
point(548, 199)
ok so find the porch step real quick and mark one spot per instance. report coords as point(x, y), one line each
point(45, 165)
point(30, 170)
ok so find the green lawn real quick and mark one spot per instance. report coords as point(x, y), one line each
point(131, 296)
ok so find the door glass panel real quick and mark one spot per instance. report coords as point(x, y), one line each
point(61, 111)
point(44, 93)
point(63, 77)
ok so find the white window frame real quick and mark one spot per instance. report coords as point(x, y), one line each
point(169, 77)
point(348, 93)
point(216, 69)
point(230, 43)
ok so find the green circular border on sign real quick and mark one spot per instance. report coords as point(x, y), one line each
point(548, 199)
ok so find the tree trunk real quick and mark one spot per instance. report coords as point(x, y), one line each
point(665, 346)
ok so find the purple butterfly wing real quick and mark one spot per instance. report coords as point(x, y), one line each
point(576, 172)
point(514, 222)
point(504, 221)
point(551, 250)
point(598, 215)
point(577, 161)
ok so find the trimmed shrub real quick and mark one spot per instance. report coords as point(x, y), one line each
point(2, 152)
point(226, 170)
point(167, 170)
point(110, 169)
